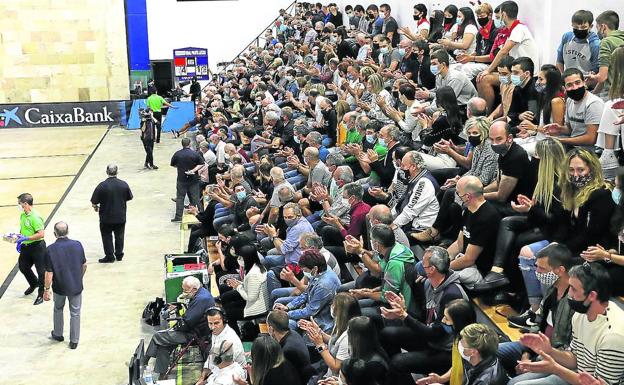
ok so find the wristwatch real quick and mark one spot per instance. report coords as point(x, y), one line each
point(607, 259)
point(320, 348)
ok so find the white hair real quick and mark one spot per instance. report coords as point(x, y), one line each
point(192, 282)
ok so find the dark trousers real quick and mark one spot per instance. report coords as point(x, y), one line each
point(182, 190)
point(107, 230)
point(198, 231)
point(33, 254)
point(419, 358)
point(158, 117)
point(148, 145)
point(448, 221)
point(161, 346)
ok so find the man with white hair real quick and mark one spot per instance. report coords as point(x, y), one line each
point(279, 181)
point(164, 341)
point(219, 149)
point(363, 42)
point(224, 368)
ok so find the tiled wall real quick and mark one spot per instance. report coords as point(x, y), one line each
point(62, 51)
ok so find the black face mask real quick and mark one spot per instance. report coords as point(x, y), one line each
point(474, 140)
point(449, 20)
point(576, 94)
point(375, 47)
point(578, 306)
point(371, 16)
point(416, 17)
point(580, 33)
point(483, 21)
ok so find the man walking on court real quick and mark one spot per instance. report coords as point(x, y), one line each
point(187, 183)
point(155, 102)
point(109, 199)
point(65, 265)
point(31, 246)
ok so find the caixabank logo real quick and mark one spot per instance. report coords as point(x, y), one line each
point(61, 114)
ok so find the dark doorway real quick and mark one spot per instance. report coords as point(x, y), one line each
point(163, 76)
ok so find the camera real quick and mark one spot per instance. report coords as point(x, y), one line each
point(145, 113)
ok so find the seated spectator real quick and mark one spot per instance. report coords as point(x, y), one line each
point(293, 345)
point(483, 164)
point(477, 348)
point(393, 258)
point(597, 336)
point(506, 88)
point(579, 48)
point(461, 85)
point(314, 301)
point(286, 251)
point(331, 201)
point(473, 250)
point(221, 333)
point(524, 97)
point(351, 195)
point(426, 339)
point(607, 25)
point(193, 320)
point(334, 347)
point(226, 265)
point(364, 344)
point(583, 113)
point(354, 371)
point(417, 209)
point(269, 366)
point(465, 34)
point(553, 263)
point(225, 369)
point(271, 211)
point(250, 297)
point(458, 314)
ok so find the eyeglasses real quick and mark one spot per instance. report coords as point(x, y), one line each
point(459, 195)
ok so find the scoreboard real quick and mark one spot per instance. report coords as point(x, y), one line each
point(189, 62)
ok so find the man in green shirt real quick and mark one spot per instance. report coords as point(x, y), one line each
point(607, 24)
point(31, 246)
point(155, 102)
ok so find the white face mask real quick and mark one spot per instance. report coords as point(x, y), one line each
point(241, 262)
point(20, 208)
point(461, 349)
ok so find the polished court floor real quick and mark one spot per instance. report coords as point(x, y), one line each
point(46, 162)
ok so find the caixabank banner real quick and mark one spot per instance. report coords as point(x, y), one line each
point(64, 114)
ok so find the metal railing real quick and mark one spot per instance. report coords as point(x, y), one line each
point(255, 42)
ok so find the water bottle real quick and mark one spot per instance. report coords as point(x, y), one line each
point(205, 276)
point(147, 375)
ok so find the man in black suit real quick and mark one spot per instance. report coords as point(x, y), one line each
point(109, 199)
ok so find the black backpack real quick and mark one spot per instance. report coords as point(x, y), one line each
point(151, 313)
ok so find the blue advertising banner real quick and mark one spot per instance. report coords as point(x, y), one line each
point(64, 114)
point(189, 62)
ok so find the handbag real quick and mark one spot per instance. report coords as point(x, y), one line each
point(151, 313)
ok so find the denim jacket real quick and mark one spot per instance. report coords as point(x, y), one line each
point(315, 301)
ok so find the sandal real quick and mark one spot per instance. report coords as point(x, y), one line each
point(427, 235)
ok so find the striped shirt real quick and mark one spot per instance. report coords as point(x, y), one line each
point(599, 345)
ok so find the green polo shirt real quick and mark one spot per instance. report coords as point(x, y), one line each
point(155, 102)
point(30, 224)
point(353, 136)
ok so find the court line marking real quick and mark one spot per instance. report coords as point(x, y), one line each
point(41, 156)
point(37, 177)
point(38, 204)
point(13, 272)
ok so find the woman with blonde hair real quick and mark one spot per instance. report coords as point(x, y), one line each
point(609, 129)
point(375, 86)
point(342, 108)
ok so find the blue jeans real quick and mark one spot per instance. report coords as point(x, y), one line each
point(222, 220)
point(281, 295)
point(527, 268)
point(273, 261)
point(509, 353)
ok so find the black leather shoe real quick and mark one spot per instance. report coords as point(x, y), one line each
point(491, 281)
point(106, 260)
point(73, 345)
point(176, 219)
point(30, 290)
point(154, 167)
point(38, 300)
point(119, 259)
point(57, 338)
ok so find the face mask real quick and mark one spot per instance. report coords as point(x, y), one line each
point(383, 50)
point(616, 194)
point(370, 138)
point(296, 139)
point(576, 94)
point(459, 20)
point(345, 201)
point(241, 262)
point(503, 79)
point(448, 20)
point(241, 195)
point(578, 306)
point(580, 33)
point(580, 181)
point(546, 279)
point(483, 21)
point(516, 80)
point(461, 349)
point(371, 16)
point(540, 87)
point(402, 51)
point(435, 69)
point(474, 140)
point(498, 23)
point(290, 222)
point(500, 149)
point(381, 142)
point(308, 275)
point(448, 329)
point(416, 17)
point(20, 208)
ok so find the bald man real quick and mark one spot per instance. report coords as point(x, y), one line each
point(472, 253)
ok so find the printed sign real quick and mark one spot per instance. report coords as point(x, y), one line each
point(62, 114)
point(189, 62)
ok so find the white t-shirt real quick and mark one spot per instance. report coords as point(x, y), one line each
point(607, 126)
point(226, 375)
point(228, 334)
point(472, 30)
point(340, 350)
point(210, 158)
point(423, 27)
point(525, 44)
point(220, 151)
point(410, 123)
